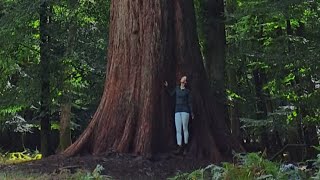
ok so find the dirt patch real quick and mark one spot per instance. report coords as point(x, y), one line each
point(119, 166)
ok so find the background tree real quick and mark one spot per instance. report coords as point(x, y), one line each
point(45, 61)
point(262, 46)
point(214, 46)
point(78, 72)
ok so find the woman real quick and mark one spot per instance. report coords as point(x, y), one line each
point(183, 109)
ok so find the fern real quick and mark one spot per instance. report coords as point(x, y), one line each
point(249, 166)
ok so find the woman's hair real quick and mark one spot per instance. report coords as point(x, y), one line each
point(188, 76)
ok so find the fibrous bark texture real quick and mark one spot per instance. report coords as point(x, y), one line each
point(150, 42)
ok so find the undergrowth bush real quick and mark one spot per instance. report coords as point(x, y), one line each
point(317, 165)
point(248, 167)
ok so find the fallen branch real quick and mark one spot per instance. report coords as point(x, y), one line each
point(286, 147)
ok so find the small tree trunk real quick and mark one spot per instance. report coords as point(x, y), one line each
point(311, 135)
point(289, 33)
point(65, 130)
point(234, 106)
point(65, 118)
point(44, 75)
point(295, 154)
point(311, 139)
point(261, 105)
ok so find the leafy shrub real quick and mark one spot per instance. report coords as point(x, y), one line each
point(212, 171)
point(249, 166)
point(317, 166)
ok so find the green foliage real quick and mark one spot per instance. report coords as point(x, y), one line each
point(280, 40)
point(78, 39)
point(278, 121)
point(212, 171)
point(233, 96)
point(19, 124)
point(95, 174)
point(253, 166)
point(316, 165)
point(250, 166)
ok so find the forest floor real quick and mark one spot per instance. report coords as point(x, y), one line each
point(117, 166)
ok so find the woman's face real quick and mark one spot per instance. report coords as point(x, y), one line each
point(183, 80)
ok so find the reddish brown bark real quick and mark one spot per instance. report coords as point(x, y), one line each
point(152, 41)
point(133, 115)
point(210, 135)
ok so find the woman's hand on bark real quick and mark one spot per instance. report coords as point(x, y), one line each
point(165, 83)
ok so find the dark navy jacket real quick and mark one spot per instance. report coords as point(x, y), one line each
point(183, 99)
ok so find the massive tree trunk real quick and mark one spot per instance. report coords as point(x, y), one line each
point(210, 133)
point(152, 41)
point(133, 115)
point(45, 75)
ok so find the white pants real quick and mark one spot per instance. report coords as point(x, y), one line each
point(181, 121)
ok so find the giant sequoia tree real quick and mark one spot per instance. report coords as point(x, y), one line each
point(152, 41)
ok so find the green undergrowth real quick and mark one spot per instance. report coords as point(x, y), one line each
point(19, 157)
point(247, 167)
point(63, 175)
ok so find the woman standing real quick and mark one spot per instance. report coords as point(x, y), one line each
point(183, 109)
